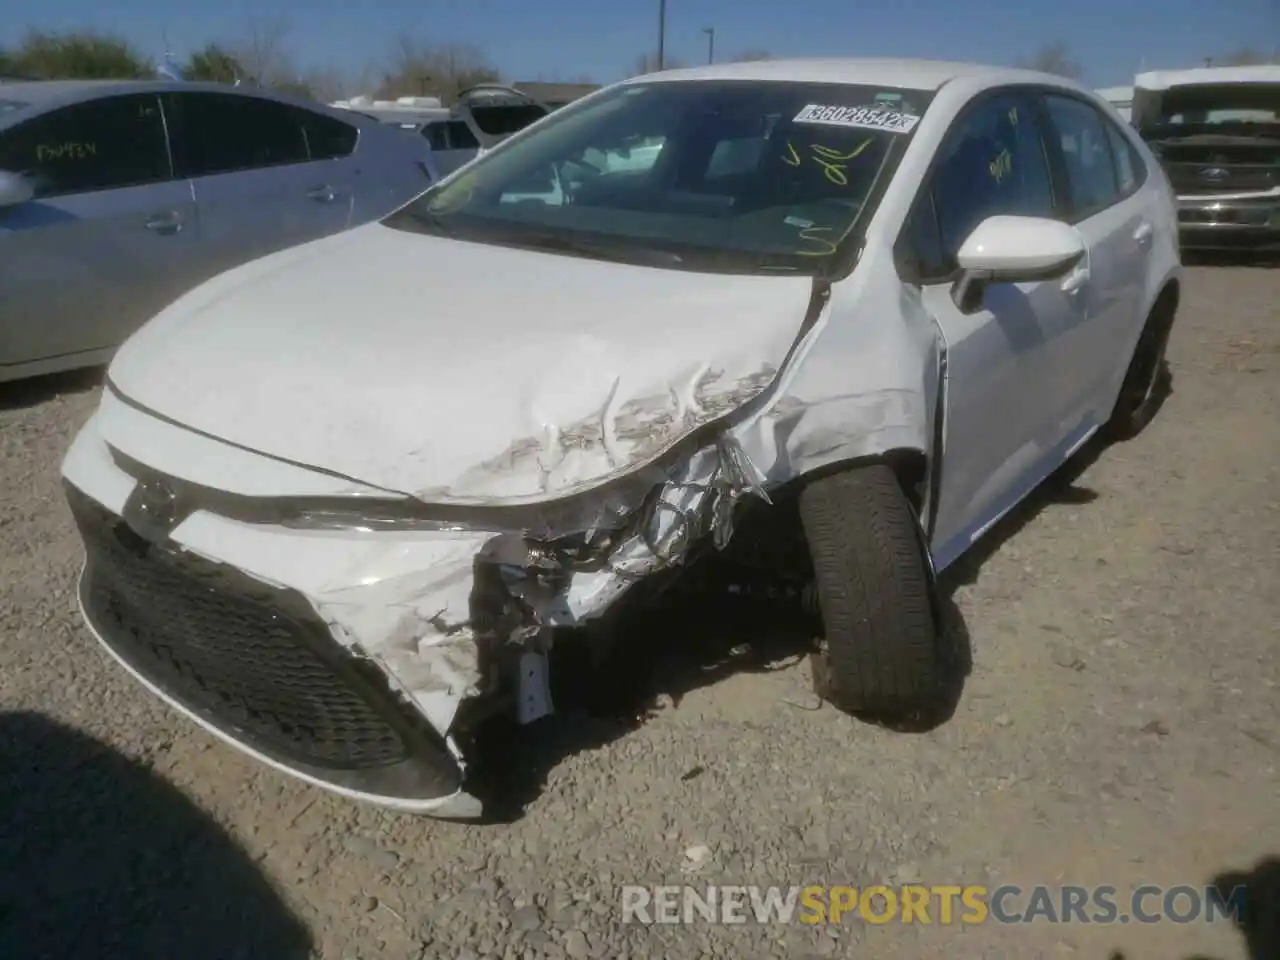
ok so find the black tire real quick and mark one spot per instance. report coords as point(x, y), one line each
point(881, 654)
point(1147, 381)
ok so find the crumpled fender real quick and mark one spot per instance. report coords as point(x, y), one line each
point(851, 388)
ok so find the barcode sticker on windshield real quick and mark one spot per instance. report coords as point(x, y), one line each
point(866, 118)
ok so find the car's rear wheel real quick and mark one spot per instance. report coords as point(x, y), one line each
point(881, 653)
point(1147, 381)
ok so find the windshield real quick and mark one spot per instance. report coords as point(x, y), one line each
point(1222, 106)
point(736, 176)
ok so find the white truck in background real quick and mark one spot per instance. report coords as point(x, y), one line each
point(483, 117)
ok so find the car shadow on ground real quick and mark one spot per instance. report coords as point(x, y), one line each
point(100, 857)
point(1258, 916)
point(709, 634)
point(702, 637)
point(33, 391)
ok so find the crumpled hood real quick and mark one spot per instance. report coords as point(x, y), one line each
point(456, 371)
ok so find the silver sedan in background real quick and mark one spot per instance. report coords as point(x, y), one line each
point(118, 196)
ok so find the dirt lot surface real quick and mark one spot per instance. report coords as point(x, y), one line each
point(1119, 727)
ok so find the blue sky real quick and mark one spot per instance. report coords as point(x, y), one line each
point(562, 39)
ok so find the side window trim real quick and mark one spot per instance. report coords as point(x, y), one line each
point(165, 106)
point(1050, 143)
point(1027, 95)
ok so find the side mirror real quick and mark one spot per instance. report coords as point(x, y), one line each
point(14, 189)
point(1006, 249)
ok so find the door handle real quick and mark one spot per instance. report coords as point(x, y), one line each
point(1144, 233)
point(322, 194)
point(1076, 280)
point(166, 223)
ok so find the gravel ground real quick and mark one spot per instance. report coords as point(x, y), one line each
point(1119, 727)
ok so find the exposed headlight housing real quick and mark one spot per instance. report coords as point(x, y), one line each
point(612, 507)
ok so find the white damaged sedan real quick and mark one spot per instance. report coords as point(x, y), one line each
point(338, 502)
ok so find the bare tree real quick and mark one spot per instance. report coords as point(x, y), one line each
point(753, 54)
point(421, 69)
point(1054, 58)
point(366, 79)
point(327, 84)
point(263, 52)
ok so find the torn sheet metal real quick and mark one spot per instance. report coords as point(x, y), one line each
point(426, 633)
point(855, 386)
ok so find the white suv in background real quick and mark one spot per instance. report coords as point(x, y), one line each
point(484, 116)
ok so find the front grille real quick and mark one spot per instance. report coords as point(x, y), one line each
point(240, 652)
point(1227, 216)
point(1226, 178)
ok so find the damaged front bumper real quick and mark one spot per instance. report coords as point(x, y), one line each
point(355, 658)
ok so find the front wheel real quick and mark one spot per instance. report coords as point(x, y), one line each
point(1147, 381)
point(881, 652)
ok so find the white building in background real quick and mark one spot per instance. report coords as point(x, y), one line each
point(1119, 97)
point(406, 111)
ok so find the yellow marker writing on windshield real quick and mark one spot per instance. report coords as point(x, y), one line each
point(829, 154)
point(1001, 166)
point(71, 150)
point(831, 160)
point(825, 247)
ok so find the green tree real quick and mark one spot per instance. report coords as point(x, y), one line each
point(212, 64)
point(78, 55)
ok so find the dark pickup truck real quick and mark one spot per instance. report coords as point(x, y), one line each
point(1217, 132)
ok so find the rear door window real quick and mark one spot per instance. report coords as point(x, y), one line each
point(435, 135)
point(1086, 151)
point(328, 137)
point(101, 144)
point(1130, 167)
point(225, 133)
point(461, 137)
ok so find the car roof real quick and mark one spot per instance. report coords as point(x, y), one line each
point(45, 94)
point(905, 74)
